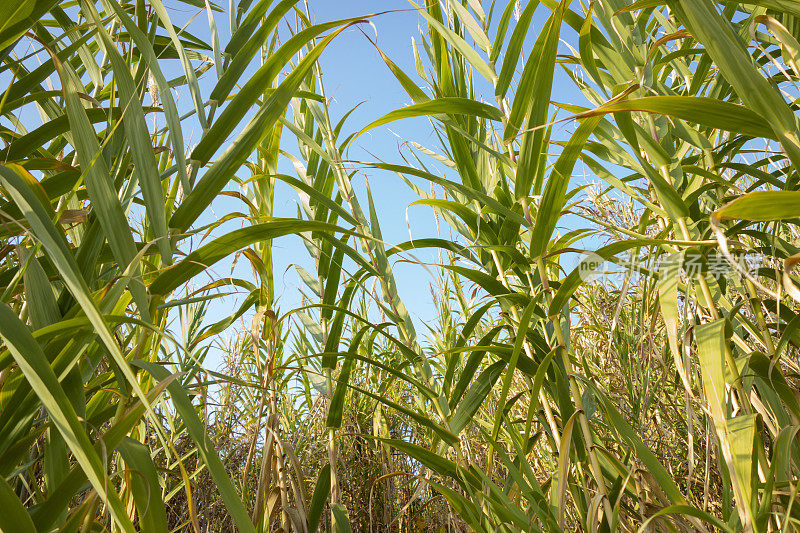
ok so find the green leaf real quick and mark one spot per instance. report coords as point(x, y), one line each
point(243, 53)
point(24, 191)
point(465, 508)
point(645, 455)
point(519, 340)
point(708, 112)
point(222, 171)
point(740, 70)
point(145, 486)
point(39, 295)
point(558, 484)
point(471, 366)
point(669, 276)
point(14, 516)
point(413, 90)
point(441, 106)
point(744, 442)
point(574, 279)
point(687, 510)
point(138, 138)
point(165, 92)
point(434, 461)
point(538, 378)
point(257, 84)
point(459, 44)
point(555, 192)
point(764, 368)
point(535, 85)
point(96, 177)
point(711, 351)
point(188, 68)
point(514, 50)
point(31, 142)
point(475, 396)
point(341, 522)
point(336, 406)
point(318, 499)
point(34, 365)
point(221, 247)
point(45, 514)
point(762, 206)
point(18, 16)
point(205, 448)
point(422, 419)
point(483, 199)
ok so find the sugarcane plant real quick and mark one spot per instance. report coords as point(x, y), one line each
point(615, 338)
point(695, 130)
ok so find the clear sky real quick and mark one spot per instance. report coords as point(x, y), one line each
point(353, 74)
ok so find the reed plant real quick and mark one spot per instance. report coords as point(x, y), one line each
point(615, 343)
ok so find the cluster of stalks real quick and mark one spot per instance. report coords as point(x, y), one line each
point(617, 329)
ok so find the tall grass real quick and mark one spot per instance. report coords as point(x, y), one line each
point(545, 395)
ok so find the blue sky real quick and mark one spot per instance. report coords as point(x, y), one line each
point(353, 75)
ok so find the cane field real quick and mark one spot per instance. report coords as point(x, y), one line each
point(399, 266)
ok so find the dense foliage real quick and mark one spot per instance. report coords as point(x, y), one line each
point(547, 395)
